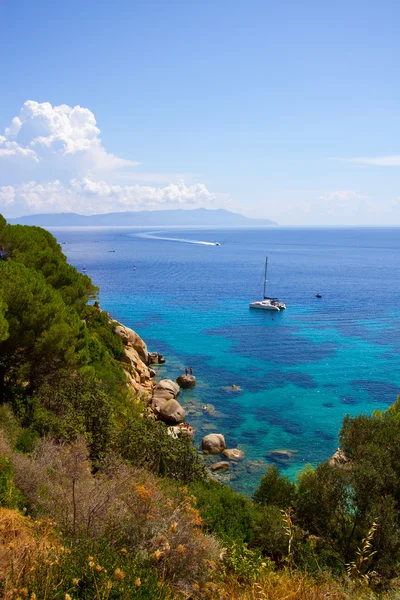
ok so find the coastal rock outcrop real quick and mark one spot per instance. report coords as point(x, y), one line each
point(172, 412)
point(181, 429)
point(186, 381)
point(155, 358)
point(166, 389)
point(233, 454)
point(340, 459)
point(134, 361)
point(213, 443)
point(132, 339)
point(164, 403)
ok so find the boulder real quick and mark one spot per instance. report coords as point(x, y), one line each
point(340, 459)
point(155, 358)
point(233, 453)
point(171, 412)
point(213, 443)
point(168, 385)
point(176, 431)
point(186, 381)
point(131, 338)
point(220, 466)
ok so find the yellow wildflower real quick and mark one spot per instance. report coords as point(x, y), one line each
point(138, 583)
point(124, 550)
point(92, 564)
point(98, 568)
point(157, 555)
point(67, 597)
point(120, 575)
point(173, 527)
point(181, 549)
point(75, 581)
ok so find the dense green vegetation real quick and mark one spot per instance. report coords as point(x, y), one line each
point(110, 506)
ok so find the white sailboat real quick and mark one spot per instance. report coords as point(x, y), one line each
point(273, 304)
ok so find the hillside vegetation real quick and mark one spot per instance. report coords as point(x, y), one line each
point(98, 501)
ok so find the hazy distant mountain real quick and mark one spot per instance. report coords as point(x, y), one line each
point(198, 217)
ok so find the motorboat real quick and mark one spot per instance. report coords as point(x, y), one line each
point(318, 295)
point(272, 304)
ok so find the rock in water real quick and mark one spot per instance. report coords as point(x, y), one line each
point(186, 381)
point(280, 454)
point(213, 443)
point(172, 412)
point(233, 454)
point(220, 466)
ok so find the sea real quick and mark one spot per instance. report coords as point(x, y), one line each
point(268, 381)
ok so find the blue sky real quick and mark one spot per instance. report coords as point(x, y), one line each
point(284, 110)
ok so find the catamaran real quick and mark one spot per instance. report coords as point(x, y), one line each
point(268, 303)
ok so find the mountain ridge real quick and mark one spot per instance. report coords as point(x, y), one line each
point(178, 217)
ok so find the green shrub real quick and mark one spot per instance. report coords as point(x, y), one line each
point(275, 489)
point(225, 512)
point(146, 443)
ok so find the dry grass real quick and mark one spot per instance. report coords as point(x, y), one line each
point(121, 503)
point(24, 544)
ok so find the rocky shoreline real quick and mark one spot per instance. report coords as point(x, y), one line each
point(160, 397)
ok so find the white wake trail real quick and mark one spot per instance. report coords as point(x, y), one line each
point(151, 236)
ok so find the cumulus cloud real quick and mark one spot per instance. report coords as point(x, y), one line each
point(52, 159)
point(87, 196)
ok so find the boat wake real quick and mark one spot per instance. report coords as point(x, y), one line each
point(151, 236)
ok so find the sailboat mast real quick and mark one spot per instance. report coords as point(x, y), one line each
point(265, 277)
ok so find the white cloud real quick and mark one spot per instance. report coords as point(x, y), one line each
point(377, 161)
point(54, 142)
point(341, 196)
point(52, 159)
point(87, 196)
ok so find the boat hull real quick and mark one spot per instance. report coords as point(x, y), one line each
point(264, 306)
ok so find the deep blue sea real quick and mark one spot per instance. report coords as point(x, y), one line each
point(301, 370)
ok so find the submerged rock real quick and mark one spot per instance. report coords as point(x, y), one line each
point(280, 454)
point(220, 466)
point(213, 443)
point(233, 453)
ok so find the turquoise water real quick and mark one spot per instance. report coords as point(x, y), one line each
point(301, 370)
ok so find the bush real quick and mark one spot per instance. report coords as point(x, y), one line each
point(146, 443)
point(225, 512)
point(118, 503)
point(275, 489)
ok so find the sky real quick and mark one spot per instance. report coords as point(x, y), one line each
point(281, 110)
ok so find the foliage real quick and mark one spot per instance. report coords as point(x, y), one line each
point(225, 512)
point(146, 443)
point(246, 564)
point(119, 503)
point(274, 489)
point(71, 405)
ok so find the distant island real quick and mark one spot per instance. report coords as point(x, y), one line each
point(199, 217)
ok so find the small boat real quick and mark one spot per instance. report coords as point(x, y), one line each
point(84, 269)
point(217, 244)
point(273, 304)
point(318, 295)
